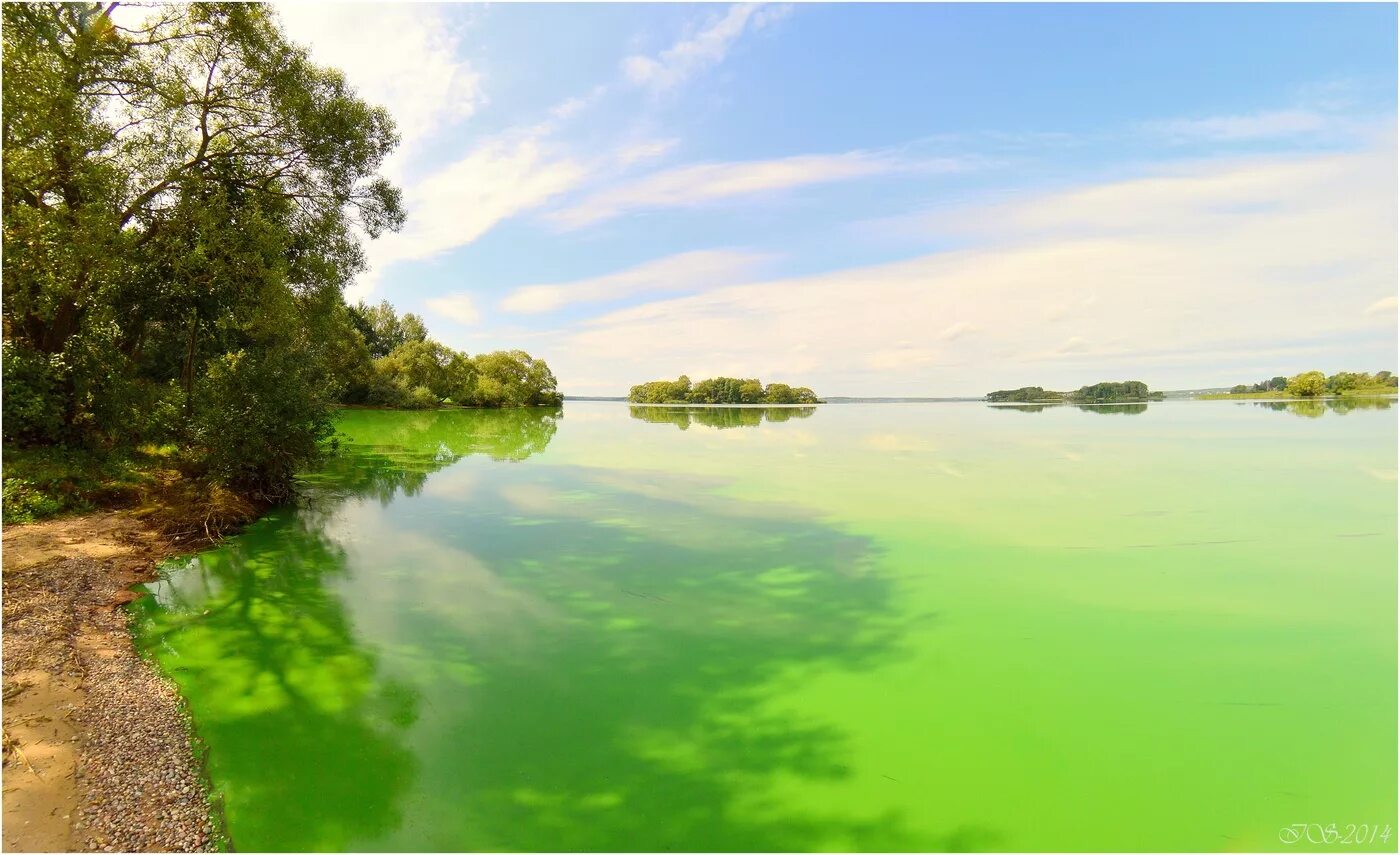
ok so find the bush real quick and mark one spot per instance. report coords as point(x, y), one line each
point(1308, 384)
point(421, 398)
point(259, 417)
point(24, 502)
point(32, 401)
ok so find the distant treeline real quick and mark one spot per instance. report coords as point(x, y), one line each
point(1128, 391)
point(720, 390)
point(393, 363)
point(1310, 384)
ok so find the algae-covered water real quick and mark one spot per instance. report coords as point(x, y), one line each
point(856, 627)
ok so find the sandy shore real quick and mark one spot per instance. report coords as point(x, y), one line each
point(97, 751)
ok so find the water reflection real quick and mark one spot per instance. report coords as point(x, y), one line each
point(1112, 409)
point(436, 654)
point(1131, 409)
point(719, 417)
point(1315, 408)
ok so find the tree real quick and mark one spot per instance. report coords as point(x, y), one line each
point(183, 200)
point(1345, 381)
point(779, 393)
point(1307, 385)
point(719, 390)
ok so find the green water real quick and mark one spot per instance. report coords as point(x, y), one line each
point(856, 627)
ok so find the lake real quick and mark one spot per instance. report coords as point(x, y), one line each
point(874, 627)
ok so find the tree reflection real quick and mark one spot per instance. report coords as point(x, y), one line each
point(719, 417)
point(631, 703)
point(1130, 409)
point(1115, 409)
point(305, 731)
point(1312, 408)
point(560, 658)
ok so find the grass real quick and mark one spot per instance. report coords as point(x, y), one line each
point(48, 481)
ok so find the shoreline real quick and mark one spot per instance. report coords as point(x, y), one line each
point(99, 750)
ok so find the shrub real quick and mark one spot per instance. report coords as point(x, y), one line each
point(259, 417)
point(32, 401)
point(22, 501)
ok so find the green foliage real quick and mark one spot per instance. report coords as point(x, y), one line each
point(1126, 391)
point(31, 402)
point(23, 501)
point(719, 390)
point(1341, 383)
point(43, 481)
point(181, 201)
point(421, 373)
point(259, 416)
point(1307, 385)
point(1129, 391)
point(1024, 395)
point(1346, 381)
point(383, 330)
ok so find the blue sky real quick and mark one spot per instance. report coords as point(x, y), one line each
point(888, 199)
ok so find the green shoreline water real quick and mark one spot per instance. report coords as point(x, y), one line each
point(924, 627)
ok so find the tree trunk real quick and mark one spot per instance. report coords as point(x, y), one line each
point(188, 373)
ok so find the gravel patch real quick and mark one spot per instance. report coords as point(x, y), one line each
point(136, 778)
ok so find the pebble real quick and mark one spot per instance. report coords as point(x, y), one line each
point(140, 789)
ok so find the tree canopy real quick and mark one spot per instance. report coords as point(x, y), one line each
point(184, 201)
point(1310, 384)
point(1128, 391)
point(719, 390)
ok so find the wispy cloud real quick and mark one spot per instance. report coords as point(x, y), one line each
point(636, 152)
point(1383, 306)
point(687, 271)
point(1250, 126)
point(705, 183)
point(456, 307)
point(704, 49)
point(462, 201)
point(1184, 274)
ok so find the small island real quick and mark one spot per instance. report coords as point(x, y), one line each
point(1126, 392)
point(1315, 384)
point(720, 390)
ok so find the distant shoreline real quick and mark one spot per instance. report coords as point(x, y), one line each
point(1171, 396)
point(834, 400)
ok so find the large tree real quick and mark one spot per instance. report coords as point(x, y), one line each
point(181, 185)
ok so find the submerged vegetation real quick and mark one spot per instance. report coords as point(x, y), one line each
point(1312, 384)
point(184, 201)
point(720, 390)
point(1130, 391)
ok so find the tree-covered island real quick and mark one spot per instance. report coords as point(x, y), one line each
point(720, 390)
point(1126, 392)
point(1314, 384)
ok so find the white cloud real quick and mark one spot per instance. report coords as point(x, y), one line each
point(686, 271)
point(456, 307)
point(405, 57)
point(958, 330)
point(703, 50)
point(700, 184)
point(460, 202)
point(1182, 277)
point(1251, 126)
point(1383, 306)
point(628, 155)
point(901, 357)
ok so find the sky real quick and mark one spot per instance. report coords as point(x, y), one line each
point(903, 199)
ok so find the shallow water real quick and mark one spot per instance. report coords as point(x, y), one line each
point(857, 627)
